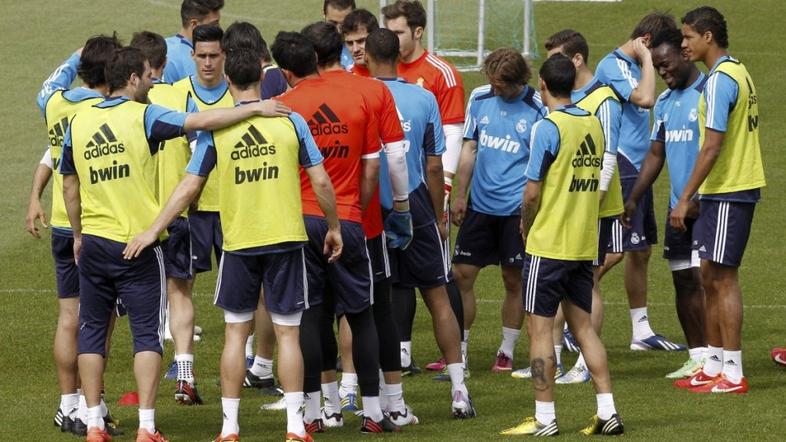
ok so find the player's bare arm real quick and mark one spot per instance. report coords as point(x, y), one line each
point(220, 118)
point(369, 181)
point(530, 206)
point(644, 94)
point(434, 179)
point(469, 151)
point(35, 211)
point(708, 155)
point(73, 203)
point(650, 170)
point(326, 197)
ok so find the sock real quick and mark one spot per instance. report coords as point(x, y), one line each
point(349, 383)
point(464, 350)
point(185, 367)
point(332, 400)
point(230, 407)
point(371, 408)
point(406, 353)
point(68, 402)
point(697, 353)
point(605, 406)
point(558, 353)
point(250, 346)
point(509, 338)
point(714, 363)
point(394, 393)
point(466, 336)
point(312, 411)
point(147, 419)
point(580, 361)
point(295, 404)
point(94, 418)
point(383, 401)
point(456, 373)
point(544, 412)
point(262, 367)
point(104, 408)
point(732, 365)
point(81, 413)
point(641, 323)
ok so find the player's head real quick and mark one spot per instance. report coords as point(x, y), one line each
point(96, 53)
point(357, 25)
point(327, 42)
point(702, 28)
point(242, 69)
point(153, 47)
point(652, 24)
point(244, 35)
point(382, 49)
point(200, 12)
point(557, 75)
point(667, 58)
point(129, 70)
point(407, 19)
point(295, 55)
point(507, 72)
point(571, 44)
point(207, 54)
point(335, 11)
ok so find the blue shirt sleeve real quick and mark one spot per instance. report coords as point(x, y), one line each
point(61, 78)
point(204, 158)
point(309, 154)
point(162, 124)
point(470, 121)
point(434, 138)
point(658, 128)
point(544, 147)
point(720, 95)
point(616, 73)
point(610, 115)
point(67, 166)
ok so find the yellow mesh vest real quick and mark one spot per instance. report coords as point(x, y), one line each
point(174, 154)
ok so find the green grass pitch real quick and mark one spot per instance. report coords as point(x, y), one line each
point(38, 35)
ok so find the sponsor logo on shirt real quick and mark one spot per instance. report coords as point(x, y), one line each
point(586, 156)
point(325, 122)
point(105, 143)
point(679, 135)
point(57, 133)
point(484, 120)
point(252, 144)
point(505, 144)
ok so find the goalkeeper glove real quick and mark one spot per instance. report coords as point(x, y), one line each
point(398, 228)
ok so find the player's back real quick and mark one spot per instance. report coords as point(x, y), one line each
point(179, 63)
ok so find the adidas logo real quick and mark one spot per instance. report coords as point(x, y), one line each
point(643, 319)
point(252, 144)
point(703, 249)
point(325, 122)
point(714, 358)
point(730, 362)
point(103, 143)
point(57, 132)
point(586, 154)
point(484, 120)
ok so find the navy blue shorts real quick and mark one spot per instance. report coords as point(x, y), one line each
point(349, 278)
point(489, 240)
point(66, 273)
point(378, 254)
point(676, 244)
point(644, 230)
point(722, 231)
point(206, 236)
point(423, 264)
point(605, 226)
point(549, 281)
point(177, 250)
point(104, 276)
point(281, 274)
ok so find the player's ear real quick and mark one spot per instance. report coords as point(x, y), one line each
point(578, 60)
point(417, 34)
point(707, 36)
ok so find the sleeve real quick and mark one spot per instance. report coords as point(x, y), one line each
point(204, 158)
point(544, 148)
point(389, 123)
point(470, 122)
point(371, 138)
point(191, 107)
point(615, 72)
point(171, 72)
point(309, 154)
point(61, 78)
point(433, 138)
point(658, 128)
point(67, 166)
point(610, 116)
point(451, 97)
point(720, 96)
point(162, 124)
point(46, 160)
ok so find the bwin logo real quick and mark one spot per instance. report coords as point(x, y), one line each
point(679, 135)
point(499, 143)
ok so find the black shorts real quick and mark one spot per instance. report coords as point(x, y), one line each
point(605, 226)
point(489, 240)
point(423, 264)
point(66, 272)
point(206, 236)
point(644, 230)
point(548, 281)
point(177, 250)
point(721, 233)
point(378, 254)
point(676, 244)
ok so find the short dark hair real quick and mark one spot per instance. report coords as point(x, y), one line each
point(652, 24)
point(707, 18)
point(412, 10)
point(508, 65)
point(96, 54)
point(326, 40)
point(243, 68)
point(359, 18)
point(152, 45)
point(572, 43)
point(198, 9)
point(670, 37)
point(338, 4)
point(559, 74)
point(295, 53)
point(383, 45)
point(207, 33)
point(125, 61)
point(244, 35)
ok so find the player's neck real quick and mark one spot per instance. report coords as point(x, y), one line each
point(554, 103)
point(627, 49)
point(694, 74)
point(332, 67)
point(583, 77)
point(103, 90)
point(416, 53)
point(187, 33)
point(383, 70)
point(211, 84)
point(713, 55)
point(122, 92)
point(246, 95)
point(297, 80)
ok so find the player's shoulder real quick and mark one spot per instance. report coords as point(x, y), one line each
point(481, 93)
point(663, 97)
point(441, 68)
point(183, 84)
point(532, 99)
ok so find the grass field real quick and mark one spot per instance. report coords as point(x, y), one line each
point(40, 34)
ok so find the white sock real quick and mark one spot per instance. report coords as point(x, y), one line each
point(68, 402)
point(406, 353)
point(349, 383)
point(464, 345)
point(544, 412)
point(185, 367)
point(605, 406)
point(312, 411)
point(641, 323)
point(466, 336)
point(732, 365)
point(383, 401)
point(102, 404)
point(81, 413)
point(230, 407)
point(295, 404)
point(580, 361)
point(147, 419)
point(456, 373)
point(509, 338)
point(394, 393)
point(371, 408)
point(94, 418)
point(697, 353)
point(558, 353)
point(262, 367)
point(332, 399)
point(714, 361)
point(250, 346)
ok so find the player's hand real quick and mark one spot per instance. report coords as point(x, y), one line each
point(271, 108)
point(678, 214)
point(77, 247)
point(458, 211)
point(627, 215)
point(138, 243)
point(693, 209)
point(35, 212)
point(398, 228)
point(521, 231)
point(640, 50)
point(334, 245)
point(79, 51)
